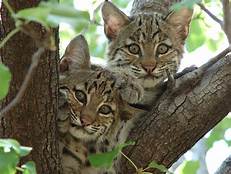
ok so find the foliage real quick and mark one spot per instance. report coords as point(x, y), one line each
point(190, 167)
point(218, 133)
point(5, 78)
point(155, 165)
point(106, 159)
point(185, 3)
point(50, 14)
point(199, 35)
point(193, 41)
point(10, 153)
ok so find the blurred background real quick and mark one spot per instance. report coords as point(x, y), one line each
point(206, 39)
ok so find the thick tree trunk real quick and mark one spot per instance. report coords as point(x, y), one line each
point(179, 119)
point(32, 122)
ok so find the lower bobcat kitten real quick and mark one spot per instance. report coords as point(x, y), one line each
point(93, 108)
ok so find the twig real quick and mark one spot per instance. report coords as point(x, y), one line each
point(215, 18)
point(227, 20)
point(22, 90)
point(213, 60)
point(9, 35)
point(19, 169)
point(5, 2)
point(93, 20)
point(192, 78)
point(129, 160)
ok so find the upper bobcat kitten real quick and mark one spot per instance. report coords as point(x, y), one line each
point(146, 44)
point(92, 111)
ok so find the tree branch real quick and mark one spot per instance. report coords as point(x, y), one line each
point(26, 82)
point(220, 22)
point(227, 18)
point(187, 109)
point(10, 34)
point(179, 120)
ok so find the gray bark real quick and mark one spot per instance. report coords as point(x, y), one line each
point(177, 122)
point(32, 121)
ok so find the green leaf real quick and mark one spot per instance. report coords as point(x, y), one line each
point(36, 14)
point(191, 167)
point(197, 35)
point(65, 10)
point(106, 159)
point(51, 14)
point(67, 14)
point(5, 77)
point(121, 3)
point(184, 3)
point(8, 144)
point(160, 167)
point(66, 2)
point(24, 150)
point(29, 168)
point(8, 161)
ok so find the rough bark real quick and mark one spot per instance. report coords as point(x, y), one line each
point(178, 120)
point(32, 121)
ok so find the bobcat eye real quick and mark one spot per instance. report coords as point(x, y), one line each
point(134, 49)
point(105, 109)
point(81, 96)
point(162, 49)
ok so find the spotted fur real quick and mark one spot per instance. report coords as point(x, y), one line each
point(93, 109)
point(145, 45)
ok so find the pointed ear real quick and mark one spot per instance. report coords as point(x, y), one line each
point(127, 112)
point(180, 21)
point(114, 19)
point(76, 55)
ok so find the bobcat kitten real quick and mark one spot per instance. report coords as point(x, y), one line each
point(145, 45)
point(92, 108)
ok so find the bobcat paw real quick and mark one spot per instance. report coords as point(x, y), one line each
point(130, 90)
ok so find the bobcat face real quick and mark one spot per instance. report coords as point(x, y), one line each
point(146, 53)
point(146, 45)
point(90, 98)
point(93, 106)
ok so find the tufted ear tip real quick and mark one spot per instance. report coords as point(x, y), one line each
point(76, 55)
point(114, 19)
